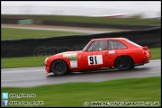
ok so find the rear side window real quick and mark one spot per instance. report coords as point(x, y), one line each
point(113, 44)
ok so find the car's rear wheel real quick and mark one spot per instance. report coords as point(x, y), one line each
point(59, 67)
point(123, 63)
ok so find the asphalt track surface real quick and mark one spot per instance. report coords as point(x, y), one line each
point(60, 29)
point(63, 28)
point(30, 77)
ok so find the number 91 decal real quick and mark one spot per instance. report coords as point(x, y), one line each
point(95, 60)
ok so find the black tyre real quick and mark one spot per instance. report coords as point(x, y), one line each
point(132, 67)
point(59, 67)
point(68, 72)
point(124, 63)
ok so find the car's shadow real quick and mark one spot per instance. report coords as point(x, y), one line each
point(105, 71)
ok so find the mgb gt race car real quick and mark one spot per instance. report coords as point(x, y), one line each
point(119, 53)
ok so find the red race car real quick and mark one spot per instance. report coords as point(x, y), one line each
point(99, 53)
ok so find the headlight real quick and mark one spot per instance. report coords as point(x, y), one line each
point(45, 61)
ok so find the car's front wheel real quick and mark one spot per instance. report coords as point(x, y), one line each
point(59, 67)
point(123, 63)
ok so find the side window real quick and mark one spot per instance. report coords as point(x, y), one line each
point(91, 47)
point(121, 45)
point(113, 44)
point(97, 45)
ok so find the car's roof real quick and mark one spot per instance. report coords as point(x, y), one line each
point(119, 38)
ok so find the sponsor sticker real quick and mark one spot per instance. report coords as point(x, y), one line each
point(72, 58)
point(111, 52)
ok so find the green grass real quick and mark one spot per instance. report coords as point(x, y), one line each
point(75, 94)
point(156, 53)
point(39, 60)
point(22, 62)
point(83, 19)
point(13, 33)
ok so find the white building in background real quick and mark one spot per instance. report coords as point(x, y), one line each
point(148, 9)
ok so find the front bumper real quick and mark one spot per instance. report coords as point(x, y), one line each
point(47, 69)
